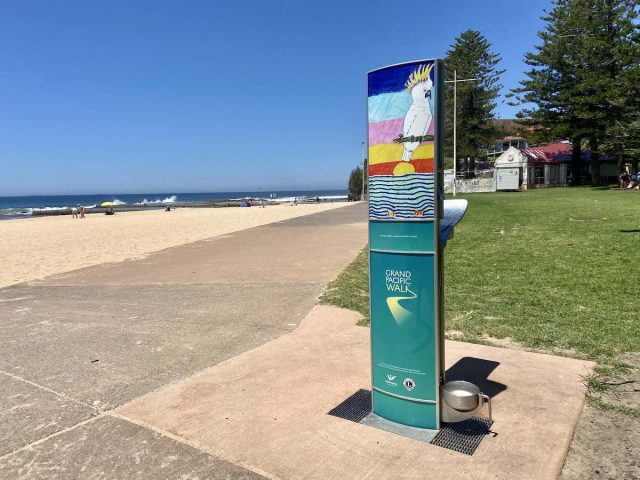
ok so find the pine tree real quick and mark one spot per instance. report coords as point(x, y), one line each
point(623, 140)
point(471, 57)
point(606, 64)
point(355, 183)
point(584, 78)
point(551, 82)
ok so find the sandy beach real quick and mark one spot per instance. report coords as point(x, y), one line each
point(36, 248)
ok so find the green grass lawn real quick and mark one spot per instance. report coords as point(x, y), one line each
point(553, 269)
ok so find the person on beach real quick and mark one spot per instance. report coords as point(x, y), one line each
point(74, 212)
point(81, 211)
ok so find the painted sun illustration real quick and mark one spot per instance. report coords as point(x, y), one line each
point(404, 168)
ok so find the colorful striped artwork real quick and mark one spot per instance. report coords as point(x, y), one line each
point(401, 109)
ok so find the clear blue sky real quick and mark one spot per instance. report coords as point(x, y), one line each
point(146, 96)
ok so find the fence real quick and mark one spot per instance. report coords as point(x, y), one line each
point(471, 185)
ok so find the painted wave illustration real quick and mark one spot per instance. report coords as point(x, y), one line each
point(403, 195)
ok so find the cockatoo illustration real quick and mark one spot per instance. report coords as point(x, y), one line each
point(419, 116)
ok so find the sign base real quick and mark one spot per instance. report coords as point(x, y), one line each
point(406, 412)
point(420, 434)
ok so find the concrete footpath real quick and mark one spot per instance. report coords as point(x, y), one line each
point(76, 346)
point(267, 409)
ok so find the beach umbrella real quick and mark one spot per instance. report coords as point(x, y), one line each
point(107, 204)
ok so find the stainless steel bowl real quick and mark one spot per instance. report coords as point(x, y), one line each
point(461, 395)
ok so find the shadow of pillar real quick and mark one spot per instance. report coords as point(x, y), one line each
point(477, 371)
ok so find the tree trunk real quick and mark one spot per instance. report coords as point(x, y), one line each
point(595, 162)
point(620, 162)
point(576, 153)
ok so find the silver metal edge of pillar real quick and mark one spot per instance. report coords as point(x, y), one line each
point(439, 270)
point(366, 125)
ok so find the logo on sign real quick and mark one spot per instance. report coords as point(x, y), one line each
point(390, 380)
point(399, 282)
point(409, 384)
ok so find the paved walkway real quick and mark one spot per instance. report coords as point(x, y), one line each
point(267, 409)
point(76, 346)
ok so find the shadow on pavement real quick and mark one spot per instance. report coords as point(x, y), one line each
point(476, 370)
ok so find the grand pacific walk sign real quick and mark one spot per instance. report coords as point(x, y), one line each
point(405, 206)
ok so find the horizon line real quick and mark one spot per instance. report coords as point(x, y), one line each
point(271, 190)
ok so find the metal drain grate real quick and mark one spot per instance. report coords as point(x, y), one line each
point(354, 408)
point(463, 437)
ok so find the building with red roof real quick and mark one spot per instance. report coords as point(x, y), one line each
point(547, 165)
point(524, 168)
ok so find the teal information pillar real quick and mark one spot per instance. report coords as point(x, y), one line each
point(405, 206)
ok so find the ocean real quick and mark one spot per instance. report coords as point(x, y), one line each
point(27, 206)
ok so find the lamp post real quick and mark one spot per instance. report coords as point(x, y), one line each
point(455, 121)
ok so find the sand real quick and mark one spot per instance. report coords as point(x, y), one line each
point(35, 248)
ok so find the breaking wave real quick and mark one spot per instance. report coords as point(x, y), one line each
point(49, 209)
point(15, 212)
point(171, 199)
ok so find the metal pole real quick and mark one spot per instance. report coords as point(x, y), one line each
point(455, 131)
point(363, 173)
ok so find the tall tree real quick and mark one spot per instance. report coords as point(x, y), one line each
point(471, 57)
point(355, 183)
point(623, 140)
point(611, 86)
point(583, 81)
point(550, 82)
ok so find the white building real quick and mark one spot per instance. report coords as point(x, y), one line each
point(520, 169)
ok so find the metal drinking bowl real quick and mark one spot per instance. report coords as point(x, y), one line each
point(461, 395)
